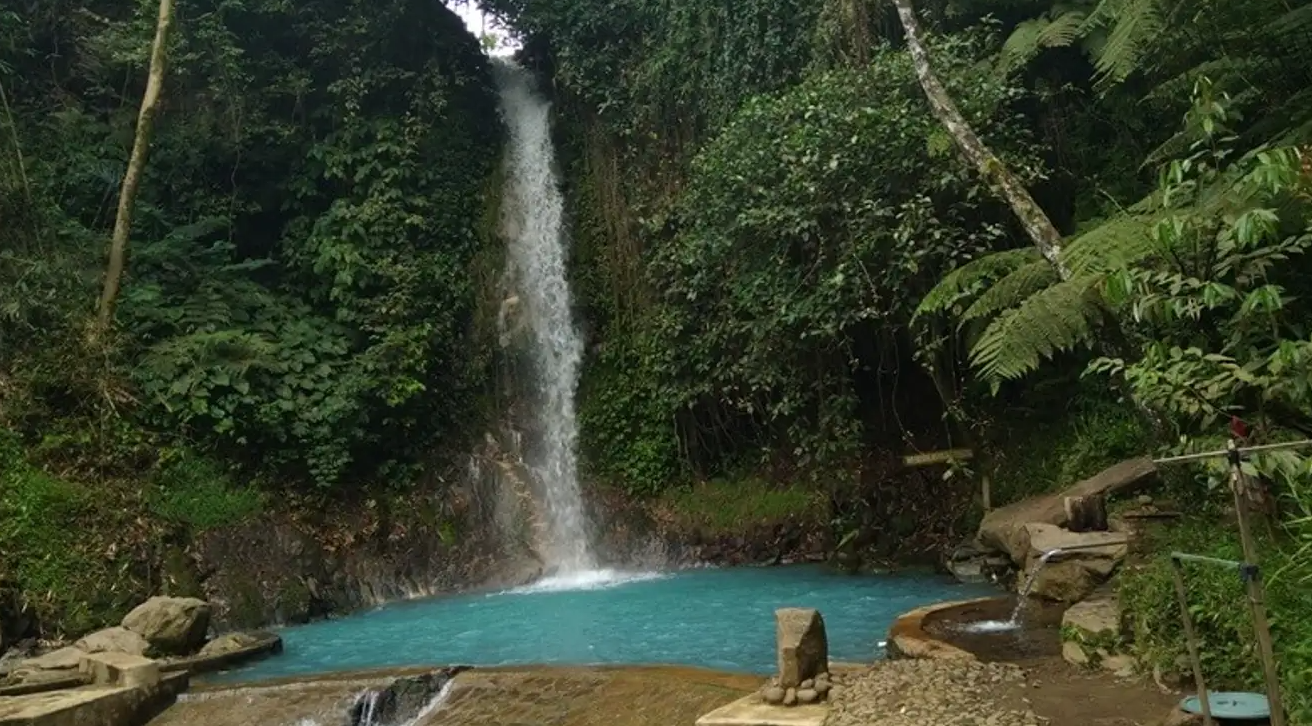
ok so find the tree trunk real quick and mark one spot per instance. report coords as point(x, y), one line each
point(1040, 229)
point(136, 163)
point(1086, 514)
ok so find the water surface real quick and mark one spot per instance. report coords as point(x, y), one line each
point(714, 618)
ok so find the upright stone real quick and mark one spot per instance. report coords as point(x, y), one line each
point(803, 648)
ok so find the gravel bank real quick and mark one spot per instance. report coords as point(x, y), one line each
point(929, 693)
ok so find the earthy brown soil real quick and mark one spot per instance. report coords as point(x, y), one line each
point(1065, 694)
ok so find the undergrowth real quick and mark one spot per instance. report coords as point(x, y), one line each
point(1221, 616)
point(1051, 449)
point(194, 492)
point(82, 552)
point(721, 505)
point(66, 577)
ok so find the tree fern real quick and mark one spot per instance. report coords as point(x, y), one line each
point(1058, 29)
point(1060, 318)
point(1121, 240)
point(1131, 26)
point(1008, 291)
point(970, 277)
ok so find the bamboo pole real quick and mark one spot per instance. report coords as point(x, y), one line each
point(1253, 586)
point(1185, 458)
point(1191, 640)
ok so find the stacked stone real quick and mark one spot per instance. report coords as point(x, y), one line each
point(803, 659)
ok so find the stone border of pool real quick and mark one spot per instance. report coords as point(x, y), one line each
point(908, 639)
point(267, 644)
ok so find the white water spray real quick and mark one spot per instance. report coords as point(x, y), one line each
point(533, 212)
point(1014, 623)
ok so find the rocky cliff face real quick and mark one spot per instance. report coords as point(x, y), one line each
point(310, 557)
point(289, 568)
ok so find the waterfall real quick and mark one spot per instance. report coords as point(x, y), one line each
point(532, 219)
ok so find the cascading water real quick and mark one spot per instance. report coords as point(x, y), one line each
point(533, 214)
point(1014, 623)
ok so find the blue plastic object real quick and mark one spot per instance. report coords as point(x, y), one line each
point(1236, 705)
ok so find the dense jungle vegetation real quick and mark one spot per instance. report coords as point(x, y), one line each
point(786, 265)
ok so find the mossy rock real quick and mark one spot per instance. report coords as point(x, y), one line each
point(1093, 635)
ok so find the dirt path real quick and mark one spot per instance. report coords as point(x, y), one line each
point(937, 693)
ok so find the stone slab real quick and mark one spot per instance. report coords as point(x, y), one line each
point(91, 705)
point(120, 669)
point(750, 711)
point(27, 708)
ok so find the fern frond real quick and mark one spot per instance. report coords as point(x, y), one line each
point(1021, 46)
point(1219, 70)
point(1011, 290)
point(1291, 23)
point(966, 278)
point(1061, 318)
point(1031, 37)
point(1133, 24)
point(1064, 29)
point(1288, 123)
point(1122, 240)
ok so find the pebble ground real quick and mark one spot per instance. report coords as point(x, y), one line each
point(929, 693)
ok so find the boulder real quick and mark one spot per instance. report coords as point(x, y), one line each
point(172, 625)
point(974, 565)
point(68, 677)
point(1092, 634)
point(18, 652)
point(1087, 561)
point(1003, 529)
point(114, 640)
point(803, 648)
point(1095, 618)
point(66, 658)
point(229, 643)
point(401, 701)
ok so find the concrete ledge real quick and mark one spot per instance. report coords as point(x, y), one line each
point(907, 637)
point(73, 680)
point(751, 711)
point(267, 644)
point(93, 705)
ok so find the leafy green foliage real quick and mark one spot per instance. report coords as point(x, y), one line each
point(729, 506)
point(625, 425)
point(777, 268)
point(1039, 451)
point(1225, 632)
point(194, 493)
point(1220, 335)
point(299, 292)
point(67, 582)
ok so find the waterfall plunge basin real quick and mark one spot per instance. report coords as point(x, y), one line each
point(720, 619)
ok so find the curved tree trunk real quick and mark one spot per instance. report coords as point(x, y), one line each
point(1040, 229)
point(136, 163)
